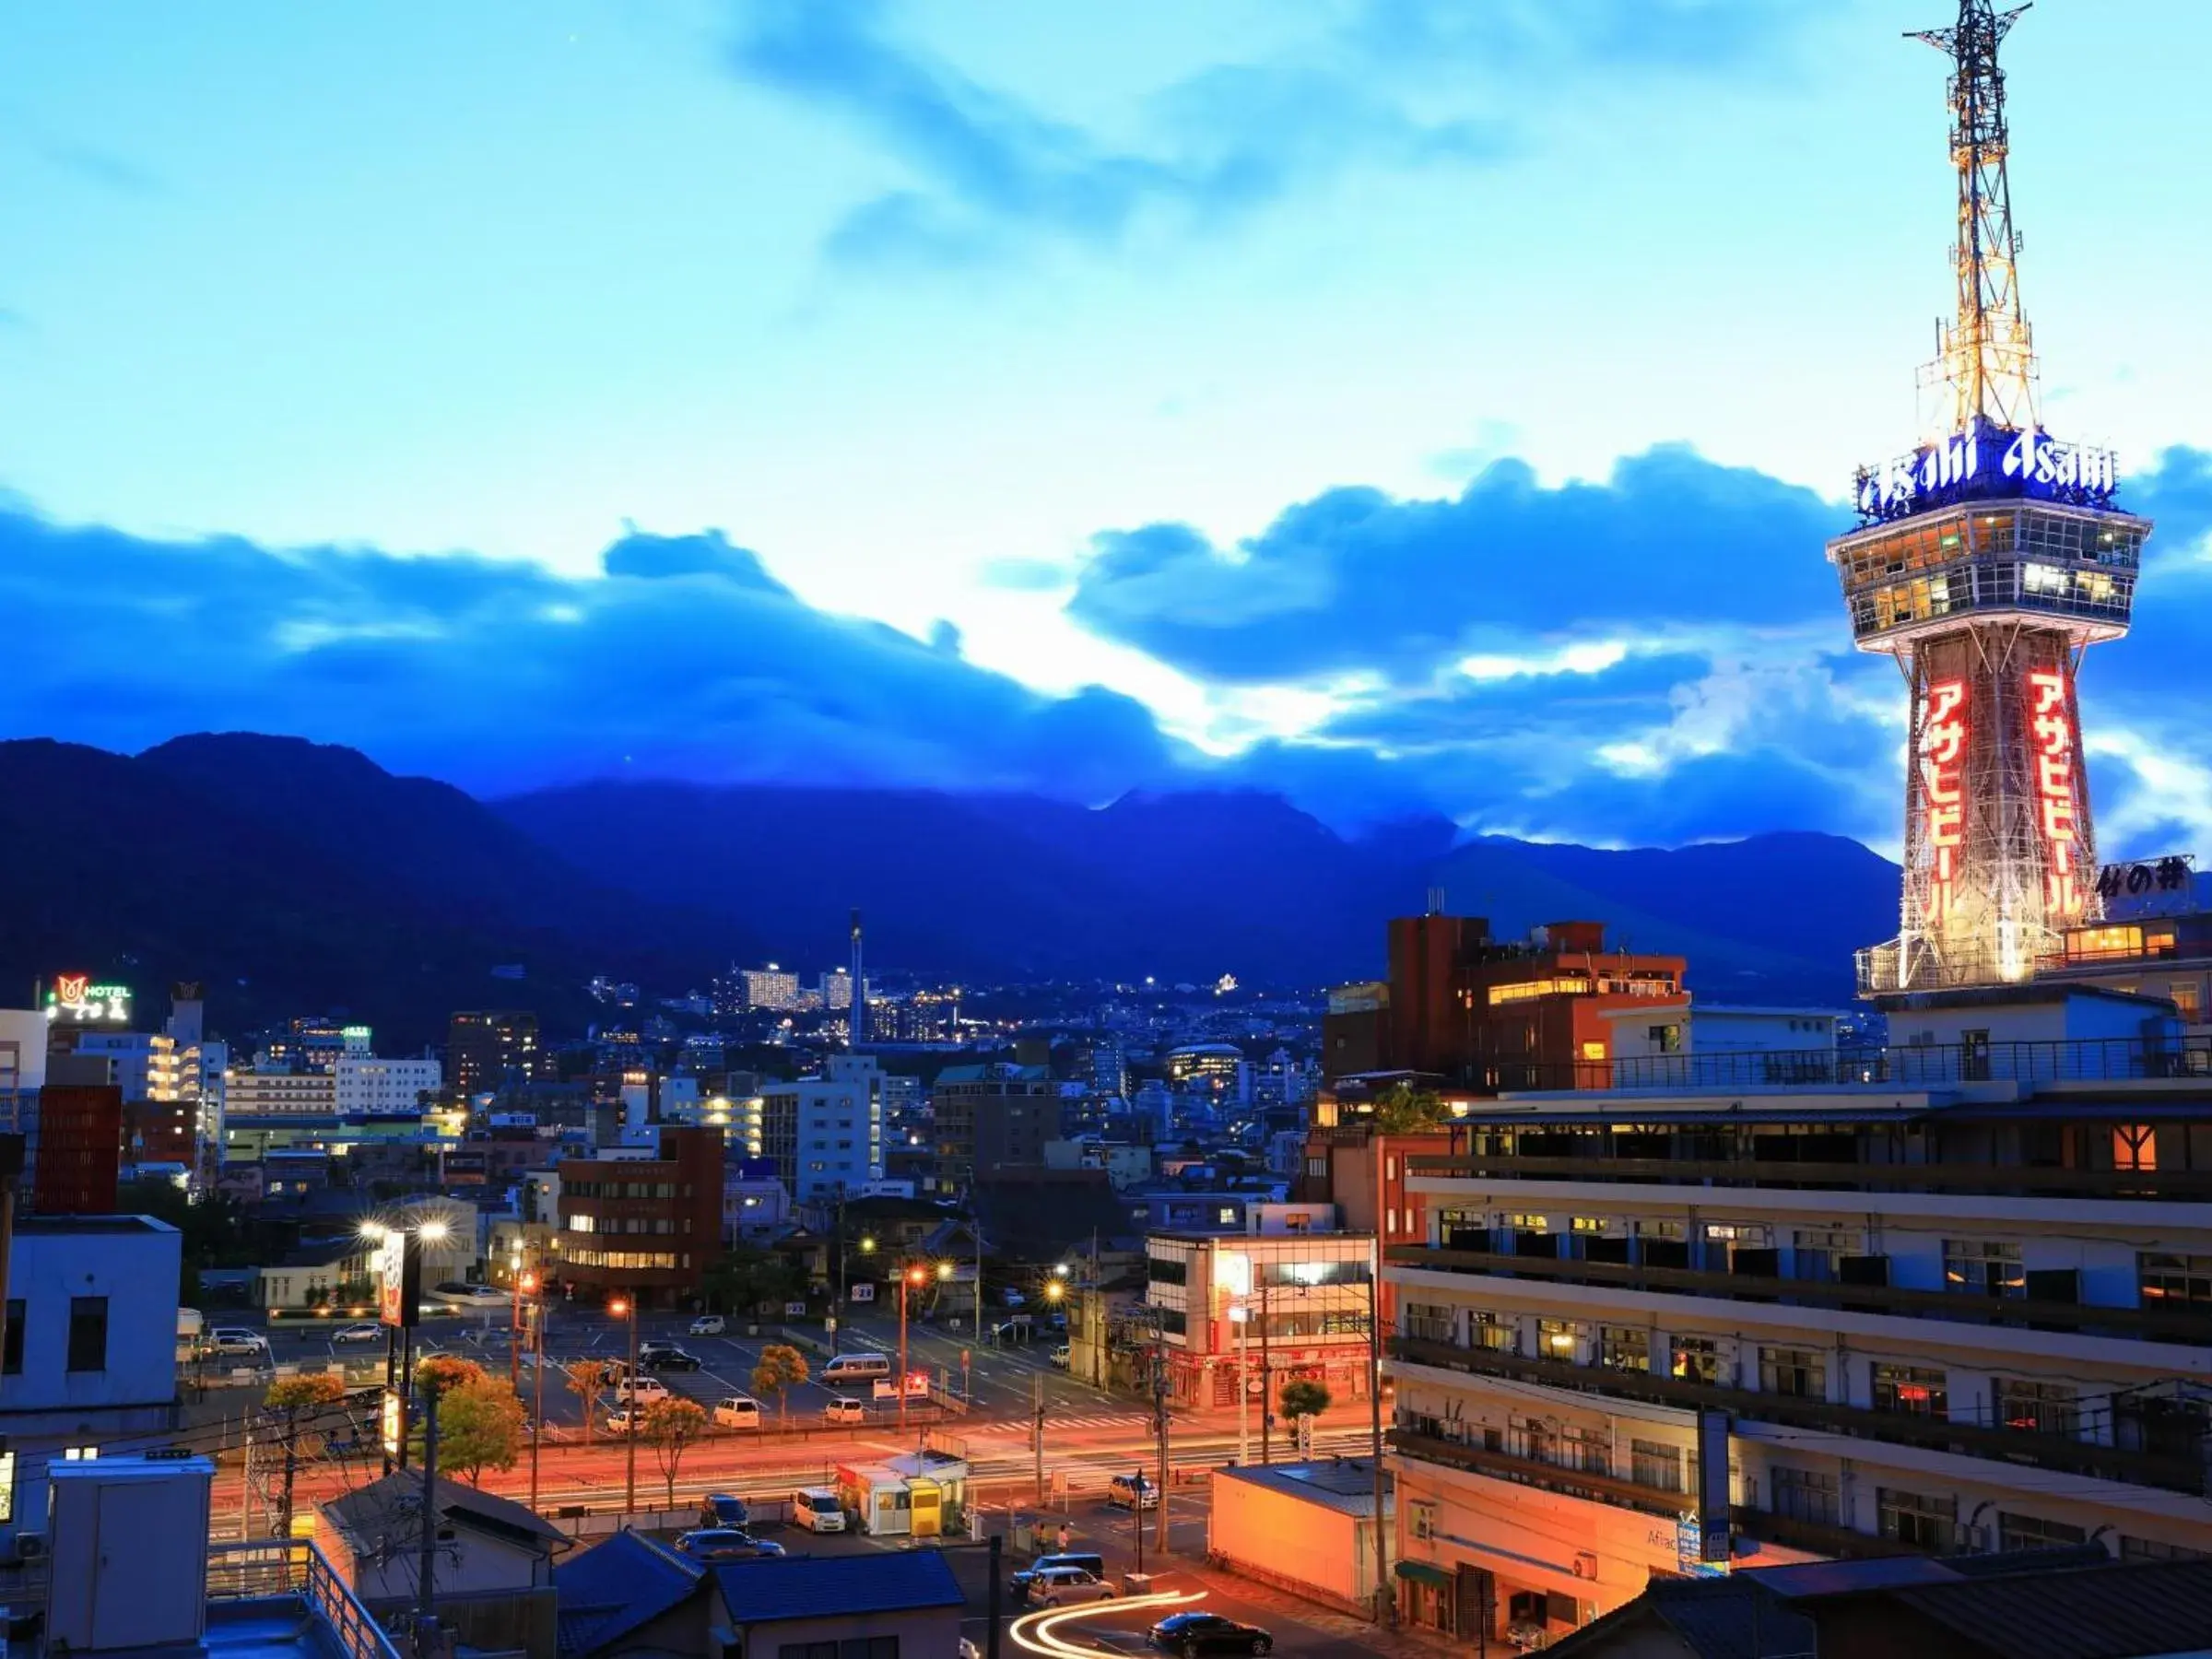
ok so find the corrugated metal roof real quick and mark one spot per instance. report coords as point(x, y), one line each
point(614, 1587)
point(2121, 1611)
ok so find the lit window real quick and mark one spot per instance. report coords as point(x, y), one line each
point(2134, 1147)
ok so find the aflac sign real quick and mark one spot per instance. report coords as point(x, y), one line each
point(1988, 463)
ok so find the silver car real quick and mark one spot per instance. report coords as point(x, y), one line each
point(1064, 1586)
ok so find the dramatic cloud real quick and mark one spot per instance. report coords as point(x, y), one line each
point(1357, 579)
point(685, 659)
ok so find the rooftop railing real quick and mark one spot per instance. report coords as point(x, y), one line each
point(273, 1570)
point(1899, 1066)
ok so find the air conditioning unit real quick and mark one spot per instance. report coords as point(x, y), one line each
point(1586, 1565)
point(31, 1545)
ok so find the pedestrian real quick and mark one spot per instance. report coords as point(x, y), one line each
point(1066, 1536)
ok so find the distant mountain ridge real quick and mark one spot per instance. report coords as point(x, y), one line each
point(297, 877)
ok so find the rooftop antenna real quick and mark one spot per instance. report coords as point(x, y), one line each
point(856, 1013)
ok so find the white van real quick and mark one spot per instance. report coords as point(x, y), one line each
point(817, 1510)
point(736, 1411)
point(857, 1368)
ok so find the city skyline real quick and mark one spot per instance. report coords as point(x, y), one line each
point(1140, 403)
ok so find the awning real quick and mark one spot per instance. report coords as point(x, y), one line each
point(1422, 1572)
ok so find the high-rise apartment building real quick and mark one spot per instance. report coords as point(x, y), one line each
point(485, 1051)
point(771, 987)
point(993, 1117)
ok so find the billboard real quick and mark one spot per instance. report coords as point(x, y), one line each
point(398, 1281)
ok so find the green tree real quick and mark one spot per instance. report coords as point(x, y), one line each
point(781, 1369)
point(1405, 1110)
point(1302, 1398)
point(741, 1278)
point(479, 1428)
point(587, 1381)
point(673, 1426)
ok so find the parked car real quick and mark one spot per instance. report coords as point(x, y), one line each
point(844, 1410)
point(723, 1510)
point(1132, 1492)
point(237, 1339)
point(669, 1359)
point(817, 1509)
point(725, 1544)
point(1190, 1634)
point(367, 1331)
point(1061, 1587)
point(707, 1324)
point(617, 1420)
point(454, 1294)
point(736, 1411)
point(642, 1391)
point(1088, 1560)
point(1061, 1357)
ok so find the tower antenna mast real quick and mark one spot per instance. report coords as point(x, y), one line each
point(1987, 356)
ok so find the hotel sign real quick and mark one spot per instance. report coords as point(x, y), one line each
point(77, 999)
point(1988, 464)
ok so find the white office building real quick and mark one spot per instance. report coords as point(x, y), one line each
point(363, 1083)
point(825, 1133)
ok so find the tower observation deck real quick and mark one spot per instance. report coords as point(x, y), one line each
point(1985, 561)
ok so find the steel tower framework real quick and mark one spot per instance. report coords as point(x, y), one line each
point(1986, 561)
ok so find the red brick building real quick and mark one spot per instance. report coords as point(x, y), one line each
point(643, 1227)
point(79, 1162)
point(1487, 1015)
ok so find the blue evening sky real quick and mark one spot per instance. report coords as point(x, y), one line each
point(1404, 404)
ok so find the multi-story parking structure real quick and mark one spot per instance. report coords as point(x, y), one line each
point(1957, 1298)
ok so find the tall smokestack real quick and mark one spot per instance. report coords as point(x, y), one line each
point(856, 1017)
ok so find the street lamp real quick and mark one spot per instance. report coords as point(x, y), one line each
point(627, 1308)
point(912, 1279)
point(528, 1281)
point(1240, 1315)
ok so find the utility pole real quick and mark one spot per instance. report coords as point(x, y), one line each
point(837, 1325)
point(425, 1566)
point(1036, 1432)
point(1266, 1384)
point(1160, 1425)
point(990, 1604)
point(633, 1410)
point(1385, 1596)
point(537, 1388)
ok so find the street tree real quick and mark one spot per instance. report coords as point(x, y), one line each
point(479, 1428)
point(587, 1381)
point(1302, 1401)
point(673, 1426)
point(781, 1369)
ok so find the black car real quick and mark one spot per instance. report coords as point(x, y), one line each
point(725, 1544)
point(1190, 1633)
point(723, 1510)
point(668, 1359)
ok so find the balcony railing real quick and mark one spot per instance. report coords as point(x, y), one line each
point(1903, 1065)
point(1530, 1471)
point(265, 1569)
point(1817, 1537)
point(1972, 1439)
point(2158, 1322)
point(2173, 1186)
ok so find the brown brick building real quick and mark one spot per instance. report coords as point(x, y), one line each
point(643, 1227)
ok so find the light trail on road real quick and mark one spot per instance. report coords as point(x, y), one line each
point(1033, 1631)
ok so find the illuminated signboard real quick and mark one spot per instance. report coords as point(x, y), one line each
point(392, 1420)
point(78, 1000)
point(1942, 762)
point(2149, 887)
point(1988, 464)
point(398, 1281)
point(2051, 741)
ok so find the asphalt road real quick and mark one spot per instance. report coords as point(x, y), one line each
point(996, 1381)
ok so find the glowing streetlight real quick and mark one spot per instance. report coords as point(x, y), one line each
point(432, 1233)
point(374, 1231)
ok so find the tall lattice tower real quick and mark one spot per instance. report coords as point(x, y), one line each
point(1985, 561)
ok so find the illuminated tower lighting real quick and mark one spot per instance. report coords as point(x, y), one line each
point(1984, 562)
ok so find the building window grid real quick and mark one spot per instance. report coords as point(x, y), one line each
point(1806, 1495)
point(1698, 1359)
point(2162, 1277)
point(2031, 1407)
point(1918, 1520)
point(1624, 1348)
point(1800, 1373)
point(1983, 1267)
point(2032, 1531)
point(1655, 1463)
point(1914, 1389)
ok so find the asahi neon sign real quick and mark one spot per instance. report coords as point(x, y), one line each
point(1989, 461)
point(1942, 792)
point(2051, 743)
